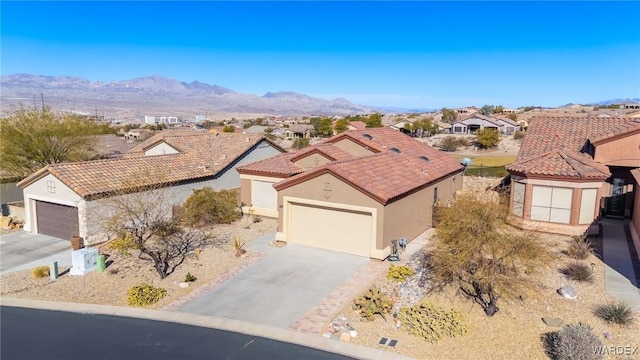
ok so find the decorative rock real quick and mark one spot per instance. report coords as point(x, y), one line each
point(608, 335)
point(345, 337)
point(183, 284)
point(353, 333)
point(327, 335)
point(551, 321)
point(568, 292)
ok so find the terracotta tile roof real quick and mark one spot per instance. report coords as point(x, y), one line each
point(400, 164)
point(550, 141)
point(204, 155)
point(359, 125)
point(325, 148)
point(279, 165)
point(562, 162)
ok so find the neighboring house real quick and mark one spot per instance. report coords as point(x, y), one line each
point(400, 126)
point(357, 125)
point(571, 170)
point(111, 145)
point(299, 131)
point(354, 192)
point(60, 199)
point(507, 126)
point(443, 127)
point(255, 129)
point(473, 123)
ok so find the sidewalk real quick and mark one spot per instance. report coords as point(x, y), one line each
point(620, 276)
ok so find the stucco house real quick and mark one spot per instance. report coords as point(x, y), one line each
point(571, 170)
point(354, 192)
point(299, 131)
point(634, 224)
point(59, 199)
point(357, 125)
point(473, 123)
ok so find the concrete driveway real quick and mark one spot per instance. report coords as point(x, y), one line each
point(20, 250)
point(280, 288)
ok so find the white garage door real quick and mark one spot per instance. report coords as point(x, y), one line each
point(331, 229)
point(264, 195)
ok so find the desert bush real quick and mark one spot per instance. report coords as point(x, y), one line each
point(574, 341)
point(238, 246)
point(145, 294)
point(431, 322)
point(40, 272)
point(619, 313)
point(400, 273)
point(123, 244)
point(189, 278)
point(257, 219)
point(207, 206)
point(373, 302)
point(518, 135)
point(580, 247)
point(578, 272)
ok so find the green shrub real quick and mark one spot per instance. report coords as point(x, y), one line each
point(206, 206)
point(373, 302)
point(578, 272)
point(580, 247)
point(619, 313)
point(575, 341)
point(189, 278)
point(431, 322)
point(145, 294)
point(40, 272)
point(400, 273)
point(518, 135)
point(123, 244)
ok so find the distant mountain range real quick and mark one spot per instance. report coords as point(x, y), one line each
point(616, 101)
point(160, 96)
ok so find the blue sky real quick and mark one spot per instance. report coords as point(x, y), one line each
point(405, 54)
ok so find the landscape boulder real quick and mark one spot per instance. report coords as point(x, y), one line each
point(568, 292)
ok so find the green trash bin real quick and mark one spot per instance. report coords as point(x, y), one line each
point(101, 263)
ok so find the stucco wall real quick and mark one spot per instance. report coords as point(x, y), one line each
point(634, 225)
point(621, 152)
point(312, 160)
point(49, 189)
point(161, 149)
point(352, 147)
point(341, 193)
point(231, 178)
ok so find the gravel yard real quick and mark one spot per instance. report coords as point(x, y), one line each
point(515, 331)
point(110, 287)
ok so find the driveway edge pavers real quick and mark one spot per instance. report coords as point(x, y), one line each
point(266, 331)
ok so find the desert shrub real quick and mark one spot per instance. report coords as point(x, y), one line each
point(238, 246)
point(40, 272)
point(449, 143)
point(578, 272)
point(189, 278)
point(206, 206)
point(145, 294)
point(580, 247)
point(463, 141)
point(619, 313)
point(257, 219)
point(431, 322)
point(373, 302)
point(487, 138)
point(518, 135)
point(575, 341)
point(122, 244)
point(400, 273)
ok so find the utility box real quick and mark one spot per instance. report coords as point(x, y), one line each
point(83, 261)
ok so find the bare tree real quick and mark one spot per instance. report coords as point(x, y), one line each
point(143, 215)
point(485, 258)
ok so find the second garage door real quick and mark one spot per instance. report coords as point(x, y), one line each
point(57, 220)
point(331, 228)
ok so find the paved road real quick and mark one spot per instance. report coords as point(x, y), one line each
point(20, 250)
point(280, 288)
point(42, 334)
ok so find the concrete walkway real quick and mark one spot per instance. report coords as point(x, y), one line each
point(20, 250)
point(620, 276)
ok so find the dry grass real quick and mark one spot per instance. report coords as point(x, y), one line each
point(123, 272)
point(515, 331)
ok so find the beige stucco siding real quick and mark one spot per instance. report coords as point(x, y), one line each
point(50, 189)
point(352, 147)
point(341, 193)
point(621, 152)
point(161, 149)
point(312, 160)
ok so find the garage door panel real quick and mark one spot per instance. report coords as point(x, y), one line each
point(332, 229)
point(57, 220)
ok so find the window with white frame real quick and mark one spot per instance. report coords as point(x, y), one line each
point(551, 204)
point(517, 200)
